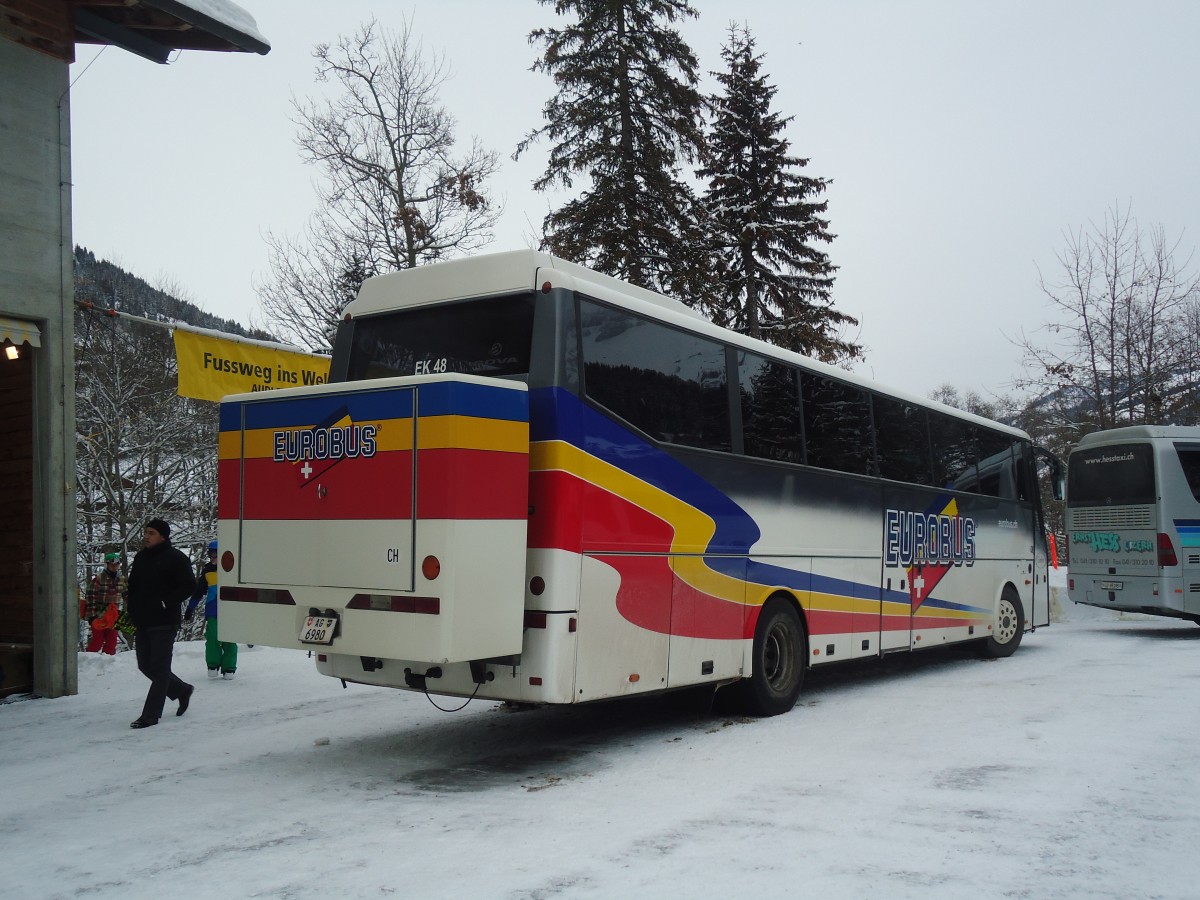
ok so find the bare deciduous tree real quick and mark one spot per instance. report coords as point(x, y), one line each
point(1122, 293)
point(1001, 408)
point(143, 451)
point(394, 193)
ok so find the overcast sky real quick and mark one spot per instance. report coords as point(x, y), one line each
point(963, 140)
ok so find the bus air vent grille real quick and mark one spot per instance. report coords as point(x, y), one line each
point(1193, 559)
point(1112, 517)
point(1194, 588)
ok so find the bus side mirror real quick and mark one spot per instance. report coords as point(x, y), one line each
point(1057, 472)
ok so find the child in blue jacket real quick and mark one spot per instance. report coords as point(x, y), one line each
point(221, 656)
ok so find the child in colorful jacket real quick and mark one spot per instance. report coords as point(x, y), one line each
point(106, 588)
point(221, 656)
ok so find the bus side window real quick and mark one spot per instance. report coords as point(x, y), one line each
point(1189, 459)
point(902, 439)
point(771, 424)
point(670, 384)
point(953, 453)
point(837, 425)
point(996, 475)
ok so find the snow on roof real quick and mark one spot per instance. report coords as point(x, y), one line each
point(224, 13)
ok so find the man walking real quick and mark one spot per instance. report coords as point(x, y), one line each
point(160, 581)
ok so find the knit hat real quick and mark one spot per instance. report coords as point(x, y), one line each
point(161, 526)
point(112, 557)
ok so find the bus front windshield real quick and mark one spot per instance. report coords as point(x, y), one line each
point(1113, 475)
point(473, 337)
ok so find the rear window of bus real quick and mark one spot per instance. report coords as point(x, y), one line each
point(1113, 475)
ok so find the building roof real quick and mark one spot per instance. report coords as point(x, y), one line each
point(149, 28)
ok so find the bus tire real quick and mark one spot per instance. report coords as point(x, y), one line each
point(780, 656)
point(1009, 628)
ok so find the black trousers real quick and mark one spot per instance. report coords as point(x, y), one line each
point(154, 647)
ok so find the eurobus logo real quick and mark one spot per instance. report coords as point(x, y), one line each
point(929, 538)
point(314, 451)
point(332, 443)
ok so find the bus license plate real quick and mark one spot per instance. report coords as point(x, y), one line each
point(318, 630)
point(1111, 585)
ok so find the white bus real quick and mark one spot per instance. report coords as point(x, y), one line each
point(1133, 519)
point(530, 482)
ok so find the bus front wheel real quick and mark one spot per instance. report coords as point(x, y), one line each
point(780, 654)
point(1008, 628)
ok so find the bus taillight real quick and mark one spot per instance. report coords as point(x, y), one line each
point(431, 567)
point(1166, 551)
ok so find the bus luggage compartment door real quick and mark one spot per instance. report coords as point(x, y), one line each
point(333, 497)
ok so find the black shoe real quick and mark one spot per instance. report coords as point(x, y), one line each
point(185, 697)
point(142, 722)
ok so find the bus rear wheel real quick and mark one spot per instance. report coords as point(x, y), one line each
point(780, 654)
point(1009, 627)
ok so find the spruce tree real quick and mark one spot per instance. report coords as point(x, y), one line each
point(775, 281)
point(626, 116)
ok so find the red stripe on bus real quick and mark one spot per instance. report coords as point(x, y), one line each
point(452, 484)
point(378, 487)
point(572, 514)
point(229, 488)
point(700, 615)
point(472, 484)
point(556, 501)
point(644, 595)
point(829, 621)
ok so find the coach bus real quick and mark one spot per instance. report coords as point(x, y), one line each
point(1133, 520)
point(527, 481)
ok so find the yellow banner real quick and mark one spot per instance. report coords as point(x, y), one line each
point(211, 367)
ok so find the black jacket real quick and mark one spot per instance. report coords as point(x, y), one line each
point(160, 581)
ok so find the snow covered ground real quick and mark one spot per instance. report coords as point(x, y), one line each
point(1069, 770)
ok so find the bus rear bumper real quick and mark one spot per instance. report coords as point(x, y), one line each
point(1156, 596)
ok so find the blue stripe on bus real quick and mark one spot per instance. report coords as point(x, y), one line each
point(230, 417)
point(735, 530)
point(1189, 532)
point(461, 398)
point(436, 399)
point(366, 406)
point(951, 605)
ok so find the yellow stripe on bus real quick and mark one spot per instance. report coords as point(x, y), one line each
point(472, 433)
point(390, 434)
point(434, 433)
point(692, 529)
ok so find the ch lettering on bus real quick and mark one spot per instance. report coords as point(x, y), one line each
point(916, 537)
